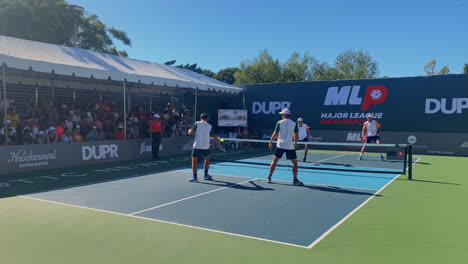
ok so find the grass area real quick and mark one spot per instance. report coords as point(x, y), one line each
point(420, 221)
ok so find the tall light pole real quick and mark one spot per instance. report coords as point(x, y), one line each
point(77, 12)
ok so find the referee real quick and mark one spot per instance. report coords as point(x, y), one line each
point(304, 134)
point(285, 130)
point(201, 148)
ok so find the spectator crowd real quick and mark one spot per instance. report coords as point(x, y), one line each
point(50, 122)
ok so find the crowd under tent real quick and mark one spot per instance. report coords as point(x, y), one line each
point(32, 68)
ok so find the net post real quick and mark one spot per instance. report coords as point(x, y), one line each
point(410, 162)
point(405, 160)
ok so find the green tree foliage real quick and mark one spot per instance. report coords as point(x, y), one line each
point(465, 69)
point(430, 68)
point(49, 21)
point(296, 68)
point(226, 75)
point(353, 64)
point(445, 70)
point(263, 69)
point(53, 21)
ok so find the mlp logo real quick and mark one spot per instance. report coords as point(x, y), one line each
point(349, 95)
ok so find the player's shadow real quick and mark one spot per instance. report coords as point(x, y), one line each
point(330, 189)
point(233, 185)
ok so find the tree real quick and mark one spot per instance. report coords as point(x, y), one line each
point(226, 75)
point(430, 68)
point(263, 69)
point(53, 21)
point(445, 70)
point(465, 69)
point(352, 64)
point(297, 68)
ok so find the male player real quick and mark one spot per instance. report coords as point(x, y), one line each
point(285, 129)
point(201, 148)
point(370, 133)
point(304, 134)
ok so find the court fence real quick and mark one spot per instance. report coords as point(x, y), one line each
point(17, 159)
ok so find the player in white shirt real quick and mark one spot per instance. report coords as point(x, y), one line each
point(201, 147)
point(370, 133)
point(286, 130)
point(304, 134)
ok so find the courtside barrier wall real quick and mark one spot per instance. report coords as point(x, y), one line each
point(433, 109)
point(49, 156)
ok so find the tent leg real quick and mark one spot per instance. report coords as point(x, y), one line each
point(125, 110)
point(195, 107)
point(243, 100)
point(5, 103)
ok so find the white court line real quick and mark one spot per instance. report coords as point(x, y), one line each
point(193, 196)
point(166, 222)
point(352, 212)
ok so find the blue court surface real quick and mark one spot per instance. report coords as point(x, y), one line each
point(238, 201)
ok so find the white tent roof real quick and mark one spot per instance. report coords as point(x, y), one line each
point(42, 57)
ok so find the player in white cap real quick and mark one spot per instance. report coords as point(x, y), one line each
point(286, 131)
point(370, 133)
point(304, 134)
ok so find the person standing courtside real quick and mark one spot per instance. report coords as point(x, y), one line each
point(201, 147)
point(155, 127)
point(304, 134)
point(286, 131)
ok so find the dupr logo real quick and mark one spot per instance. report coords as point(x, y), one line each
point(99, 152)
point(269, 107)
point(375, 94)
point(434, 105)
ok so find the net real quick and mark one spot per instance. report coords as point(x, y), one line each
point(382, 158)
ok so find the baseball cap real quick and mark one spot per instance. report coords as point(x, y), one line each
point(77, 126)
point(51, 128)
point(300, 120)
point(8, 121)
point(368, 115)
point(285, 112)
point(156, 115)
point(94, 127)
point(120, 126)
point(41, 132)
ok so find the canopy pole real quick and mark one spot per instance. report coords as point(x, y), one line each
point(5, 104)
point(243, 100)
point(195, 107)
point(151, 104)
point(53, 92)
point(74, 95)
point(125, 110)
point(37, 95)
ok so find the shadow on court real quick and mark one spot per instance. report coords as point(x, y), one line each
point(330, 189)
point(253, 186)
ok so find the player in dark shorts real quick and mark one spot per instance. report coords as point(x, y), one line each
point(286, 131)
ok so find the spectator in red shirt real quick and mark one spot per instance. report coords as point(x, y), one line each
point(59, 129)
point(155, 127)
point(119, 134)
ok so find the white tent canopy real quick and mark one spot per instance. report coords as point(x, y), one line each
point(46, 58)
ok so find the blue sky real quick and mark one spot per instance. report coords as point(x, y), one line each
point(402, 36)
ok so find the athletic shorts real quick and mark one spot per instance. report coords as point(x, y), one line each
point(374, 138)
point(200, 153)
point(304, 140)
point(290, 153)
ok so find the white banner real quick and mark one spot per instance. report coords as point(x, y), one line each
point(232, 118)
